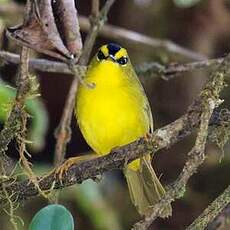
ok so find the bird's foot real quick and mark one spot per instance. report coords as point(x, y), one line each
point(62, 169)
point(147, 136)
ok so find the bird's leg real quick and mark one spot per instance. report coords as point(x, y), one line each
point(71, 161)
point(147, 136)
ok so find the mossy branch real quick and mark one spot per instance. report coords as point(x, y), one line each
point(212, 211)
point(208, 100)
point(13, 124)
point(223, 218)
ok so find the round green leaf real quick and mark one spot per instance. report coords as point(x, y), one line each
point(52, 217)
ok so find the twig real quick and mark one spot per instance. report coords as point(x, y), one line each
point(96, 24)
point(95, 8)
point(13, 124)
point(212, 212)
point(121, 34)
point(152, 68)
point(63, 131)
point(12, 128)
point(221, 220)
point(209, 99)
point(177, 189)
point(23, 81)
point(39, 64)
point(169, 71)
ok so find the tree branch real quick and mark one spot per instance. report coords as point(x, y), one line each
point(196, 158)
point(170, 71)
point(38, 64)
point(95, 9)
point(121, 34)
point(213, 211)
point(167, 72)
point(13, 124)
point(221, 220)
point(208, 100)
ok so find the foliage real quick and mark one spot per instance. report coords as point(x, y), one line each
point(36, 110)
point(52, 217)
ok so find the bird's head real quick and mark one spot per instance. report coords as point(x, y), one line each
point(110, 65)
point(113, 52)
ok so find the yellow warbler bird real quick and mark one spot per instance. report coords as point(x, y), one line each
point(116, 112)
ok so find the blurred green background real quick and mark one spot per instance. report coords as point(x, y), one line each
point(201, 25)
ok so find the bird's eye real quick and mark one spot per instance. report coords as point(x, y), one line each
point(100, 55)
point(122, 60)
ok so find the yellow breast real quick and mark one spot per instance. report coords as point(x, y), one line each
point(112, 114)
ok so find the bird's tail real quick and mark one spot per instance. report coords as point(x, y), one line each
point(144, 187)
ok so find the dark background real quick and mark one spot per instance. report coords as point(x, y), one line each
point(204, 28)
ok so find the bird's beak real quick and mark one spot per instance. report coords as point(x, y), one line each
point(111, 57)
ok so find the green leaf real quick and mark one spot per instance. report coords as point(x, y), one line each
point(36, 109)
point(52, 217)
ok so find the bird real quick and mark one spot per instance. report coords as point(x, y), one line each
point(114, 113)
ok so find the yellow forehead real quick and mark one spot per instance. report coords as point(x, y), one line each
point(105, 50)
point(121, 53)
